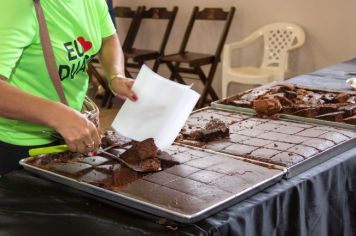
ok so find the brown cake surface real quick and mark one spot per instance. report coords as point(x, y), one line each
point(272, 141)
point(267, 107)
point(310, 103)
point(141, 151)
point(213, 129)
point(111, 138)
point(191, 180)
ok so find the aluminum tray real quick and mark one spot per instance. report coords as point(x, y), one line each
point(217, 104)
point(138, 202)
point(302, 166)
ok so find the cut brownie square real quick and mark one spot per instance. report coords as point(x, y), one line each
point(251, 132)
point(205, 162)
point(205, 176)
point(287, 159)
point(239, 149)
point(268, 126)
point(274, 136)
point(320, 144)
point(161, 178)
point(238, 138)
point(218, 145)
point(257, 142)
point(313, 133)
point(334, 137)
point(279, 146)
point(182, 170)
point(288, 129)
point(303, 150)
point(264, 153)
point(93, 177)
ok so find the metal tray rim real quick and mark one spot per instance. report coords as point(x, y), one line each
point(175, 215)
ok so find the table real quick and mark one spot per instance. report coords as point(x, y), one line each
point(320, 201)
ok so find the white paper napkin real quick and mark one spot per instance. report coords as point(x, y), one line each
point(160, 112)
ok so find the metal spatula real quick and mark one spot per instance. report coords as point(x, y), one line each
point(131, 166)
point(63, 148)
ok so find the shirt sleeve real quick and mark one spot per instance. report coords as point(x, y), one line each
point(17, 31)
point(106, 25)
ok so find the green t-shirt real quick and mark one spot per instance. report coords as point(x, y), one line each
point(76, 28)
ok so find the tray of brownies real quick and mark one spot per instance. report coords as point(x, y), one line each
point(320, 106)
point(291, 145)
point(184, 184)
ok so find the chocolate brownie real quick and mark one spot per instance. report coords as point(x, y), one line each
point(274, 141)
point(334, 116)
point(310, 103)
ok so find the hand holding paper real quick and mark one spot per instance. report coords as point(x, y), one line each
point(160, 112)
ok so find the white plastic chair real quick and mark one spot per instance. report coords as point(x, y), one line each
point(279, 39)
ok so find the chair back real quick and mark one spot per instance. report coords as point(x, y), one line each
point(160, 13)
point(279, 39)
point(213, 14)
point(135, 15)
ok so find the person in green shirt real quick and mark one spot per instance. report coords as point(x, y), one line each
point(79, 30)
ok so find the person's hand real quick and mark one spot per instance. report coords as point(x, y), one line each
point(123, 88)
point(79, 133)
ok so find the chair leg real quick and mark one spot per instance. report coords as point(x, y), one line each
point(156, 65)
point(204, 95)
point(127, 73)
point(174, 73)
point(110, 103)
point(203, 78)
point(105, 99)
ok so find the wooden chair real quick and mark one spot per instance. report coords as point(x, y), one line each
point(135, 57)
point(193, 60)
point(118, 12)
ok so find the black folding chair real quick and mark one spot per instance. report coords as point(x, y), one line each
point(193, 61)
point(136, 57)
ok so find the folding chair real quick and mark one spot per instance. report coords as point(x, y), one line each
point(118, 12)
point(195, 61)
point(135, 57)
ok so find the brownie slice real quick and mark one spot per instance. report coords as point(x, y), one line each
point(144, 155)
point(349, 110)
point(267, 107)
point(215, 129)
point(141, 151)
point(328, 108)
point(350, 120)
point(308, 112)
point(334, 116)
point(341, 98)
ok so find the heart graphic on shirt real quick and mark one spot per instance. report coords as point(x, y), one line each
point(85, 44)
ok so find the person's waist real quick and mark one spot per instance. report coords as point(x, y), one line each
point(23, 133)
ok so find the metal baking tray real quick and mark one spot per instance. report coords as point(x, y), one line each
point(217, 104)
point(319, 158)
point(302, 166)
point(139, 203)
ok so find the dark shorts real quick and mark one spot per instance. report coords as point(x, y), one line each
point(10, 155)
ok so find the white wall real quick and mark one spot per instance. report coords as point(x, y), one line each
point(330, 27)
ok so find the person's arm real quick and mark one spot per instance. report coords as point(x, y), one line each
point(77, 131)
point(112, 60)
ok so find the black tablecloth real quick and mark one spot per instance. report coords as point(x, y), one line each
point(321, 201)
